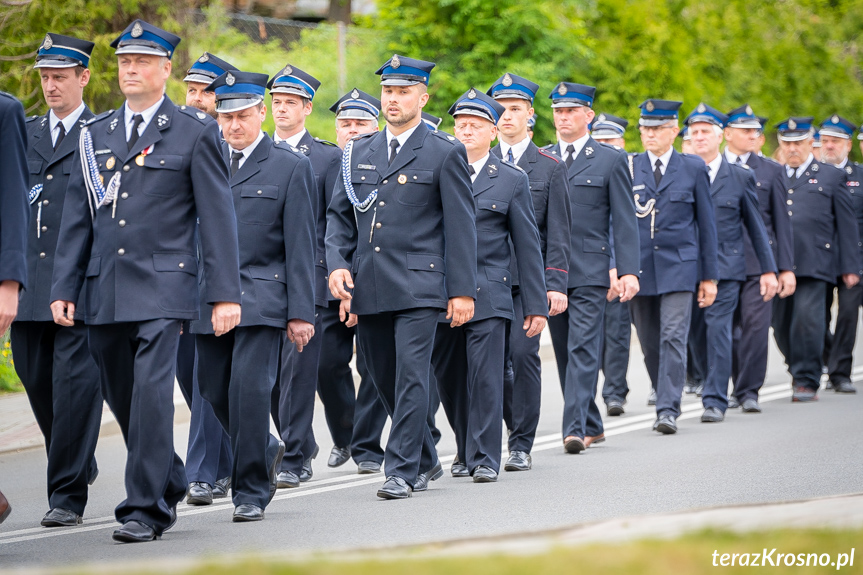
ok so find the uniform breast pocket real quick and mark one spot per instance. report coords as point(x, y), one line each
point(67, 166)
point(35, 166)
point(587, 190)
point(417, 188)
point(682, 196)
point(168, 162)
point(258, 204)
point(490, 211)
point(426, 276)
point(727, 207)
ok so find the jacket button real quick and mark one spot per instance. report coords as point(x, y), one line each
point(42, 256)
point(794, 267)
point(260, 192)
point(122, 223)
point(415, 177)
point(603, 248)
point(161, 162)
point(385, 181)
point(362, 177)
point(789, 202)
point(735, 251)
point(758, 184)
point(121, 251)
point(377, 225)
point(790, 213)
point(827, 245)
point(124, 195)
point(656, 248)
point(382, 203)
point(377, 249)
point(504, 278)
point(322, 261)
point(431, 265)
point(182, 265)
point(276, 276)
point(770, 242)
point(477, 289)
point(588, 181)
point(44, 228)
point(820, 188)
point(49, 177)
point(126, 168)
point(790, 191)
point(44, 202)
point(494, 206)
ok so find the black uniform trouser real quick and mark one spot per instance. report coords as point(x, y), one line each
point(62, 384)
point(617, 336)
point(798, 326)
point(237, 373)
point(294, 399)
point(662, 324)
point(579, 364)
point(697, 369)
point(468, 365)
point(136, 362)
point(839, 356)
point(751, 340)
point(208, 455)
point(718, 321)
point(522, 381)
point(355, 422)
point(397, 346)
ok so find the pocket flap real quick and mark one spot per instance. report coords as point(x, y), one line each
point(364, 177)
point(93, 267)
point(273, 273)
point(493, 205)
point(163, 162)
point(259, 191)
point(419, 176)
point(593, 181)
point(35, 166)
point(595, 246)
point(171, 262)
point(682, 196)
point(537, 185)
point(500, 275)
point(425, 262)
point(688, 253)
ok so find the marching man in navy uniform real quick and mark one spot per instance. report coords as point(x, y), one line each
point(143, 174)
point(355, 419)
point(826, 241)
point(617, 327)
point(677, 228)
point(468, 361)
point(271, 185)
point(292, 91)
point(736, 208)
point(14, 220)
point(54, 362)
point(550, 197)
point(401, 246)
point(599, 190)
point(208, 455)
point(751, 334)
point(836, 133)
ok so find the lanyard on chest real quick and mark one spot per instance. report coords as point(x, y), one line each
point(646, 209)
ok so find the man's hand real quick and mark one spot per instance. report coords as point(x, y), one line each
point(629, 287)
point(300, 332)
point(533, 325)
point(345, 315)
point(63, 312)
point(226, 316)
point(787, 283)
point(338, 279)
point(8, 303)
point(557, 302)
point(706, 293)
point(850, 280)
point(613, 285)
point(459, 310)
point(769, 286)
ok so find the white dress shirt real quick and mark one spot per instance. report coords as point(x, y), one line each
point(147, 114)
point(402, 138)
point(664, 158)
point(732, 157)
point(796, 173)
point(578, 145)
point(293, 140)
point(68, 122)
point(517, 149)
point(477, 166)
point(247, 151)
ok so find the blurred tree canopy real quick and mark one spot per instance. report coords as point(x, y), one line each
point(801, 57)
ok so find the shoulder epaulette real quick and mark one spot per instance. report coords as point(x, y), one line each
point(546, 147)
point(287, 147)
point(320, 141)
point(196, 113)
point(366, 135)
point(511, 165)
point(543, 152)
point(444, 136)
point(98, 117)
point(31, 118)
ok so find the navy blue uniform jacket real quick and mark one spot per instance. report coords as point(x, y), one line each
point(853, 180)
point(774, 213)
point(416, 246)
point(141, 263)
point(14, 213)
point(683, 250)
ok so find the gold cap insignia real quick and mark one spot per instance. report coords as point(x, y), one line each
point(507, 80)
point(110, 163)
point(137, 30)
point(395, 62)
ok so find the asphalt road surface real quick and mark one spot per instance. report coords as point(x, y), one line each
point(789, 452)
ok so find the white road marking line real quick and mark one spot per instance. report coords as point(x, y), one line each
point(689, 410)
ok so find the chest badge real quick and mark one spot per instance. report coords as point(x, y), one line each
point(140, 160)
point(813, 181)
point(110, 163)
point(403, 179)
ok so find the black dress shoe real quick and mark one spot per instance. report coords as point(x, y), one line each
point(423, 479)
point(93, 475)
point(844, 387)
point(5, 508)
point(368, 467)
point(173, 520)
point(274, 470)
point(732, 402)
point(614, 407)
point(751, 406)
point(339, 456)
point(517, 461)
point(199, 493)
point(287, 479)
point(306, 472)
point(221, 488)
point(484, 474)
point(134, 532)
point(395, 488)
point(58, 517)
point(651, 398)
point(665, 424)
point(804, 395)
point(712, 415)
point(247, 512)
point(459, 469)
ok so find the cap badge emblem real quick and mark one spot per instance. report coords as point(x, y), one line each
point(601, 118)
point(229, 79)
point(46, 45)
point(471, 94)
point(287, 71)
point(835, 119)
point(137, 30)
point(355, 94)
point(204, 58)
point(649, 107)
point(507, 80)
point(561, 89)
point(792, 125)
point(701, 109)
point(395, 62)
point(749, 111)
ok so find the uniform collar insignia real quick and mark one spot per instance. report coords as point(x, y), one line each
point(814, 167)
point(588, 151)
point(163, 119)
point(304, 148)
point(849, 169)
point(113, 124)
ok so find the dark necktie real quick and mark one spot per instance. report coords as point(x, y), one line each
point(235, 161)
point(509, 156)
point(738, 161)
point(470, 170)
point(137, 119)
point(60, 135)
point(657, 173)
point(570, 149)
point(394, 149)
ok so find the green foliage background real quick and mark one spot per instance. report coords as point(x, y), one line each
point(802, 57)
